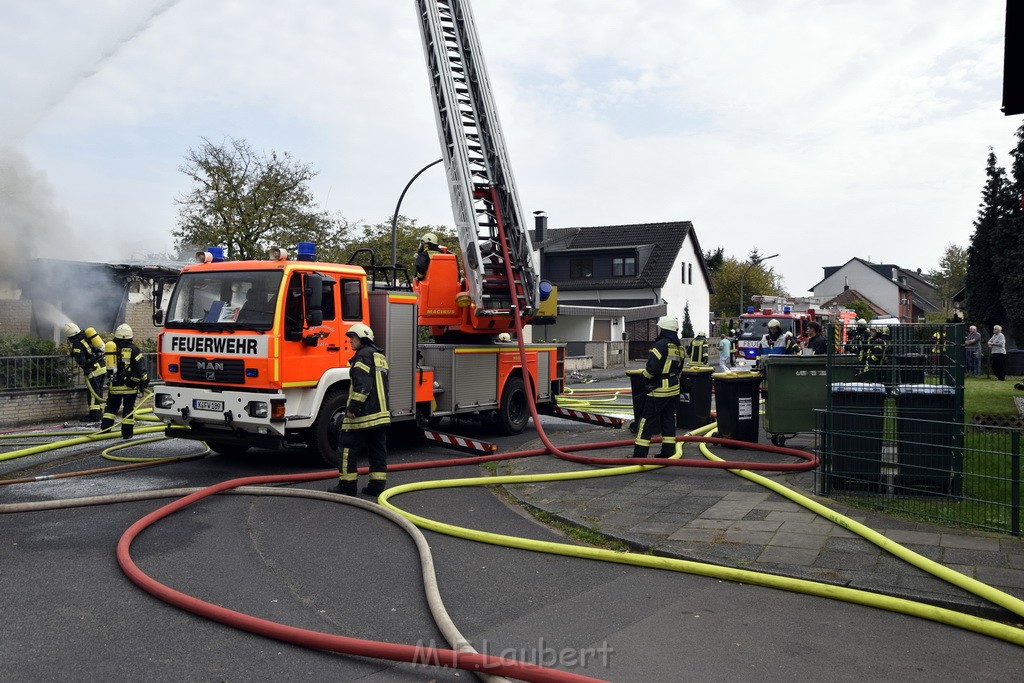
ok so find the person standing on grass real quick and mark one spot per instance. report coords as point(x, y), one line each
point(997, 345)
point(972, 347)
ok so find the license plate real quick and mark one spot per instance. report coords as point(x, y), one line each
point(203, 404)
point(749, 344)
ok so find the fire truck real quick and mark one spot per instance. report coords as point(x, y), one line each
point(754, 325)
point(254, 353)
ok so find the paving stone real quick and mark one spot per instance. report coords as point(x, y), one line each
point(701, 523)
point(790, 540)
point(754, 525)
point(659, 528)
point(788, 556)
point(847, 562)
point(753, 537)
point(998, 576)
point(975, 557)
point(970, 542)
point(691, 534)
point(804, 516)
point(903, 537)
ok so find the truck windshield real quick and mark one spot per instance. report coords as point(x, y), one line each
point(240, 299)
point(755, 328)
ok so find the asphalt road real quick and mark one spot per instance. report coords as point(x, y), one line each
point(69, 614)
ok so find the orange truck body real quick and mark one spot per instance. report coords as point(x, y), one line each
point(274, 378)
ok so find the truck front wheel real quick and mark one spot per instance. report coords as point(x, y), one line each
point(514, 411)
point(323, 435)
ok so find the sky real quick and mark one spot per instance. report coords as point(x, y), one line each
point(820, 130)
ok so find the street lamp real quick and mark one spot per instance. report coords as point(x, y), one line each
point(756, 261)
point(394, 218)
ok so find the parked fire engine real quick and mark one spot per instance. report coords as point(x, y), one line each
point(254, 353)
point(754, 325)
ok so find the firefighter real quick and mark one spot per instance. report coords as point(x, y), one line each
point(660, 404)
point(859, 340)
point(876, 354)
point(504, 338)
point(697, 352)
point(938, 350)
point(366, 415)
point(428, 249)
point(128, 379)
point(774, 341)
point(87, 352)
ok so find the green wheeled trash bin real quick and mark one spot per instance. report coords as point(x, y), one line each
point(853, 436)
point(930, 440)
point(795, 387)
point(694, 397)
point(737, 404)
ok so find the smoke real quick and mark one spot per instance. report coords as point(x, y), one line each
point(29, 217)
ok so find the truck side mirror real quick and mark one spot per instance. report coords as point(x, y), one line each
point(314, 292)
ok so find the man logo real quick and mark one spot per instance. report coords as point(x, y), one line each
point(209, 365)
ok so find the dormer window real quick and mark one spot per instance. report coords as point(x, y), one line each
point(624, 266)
point(581, 268)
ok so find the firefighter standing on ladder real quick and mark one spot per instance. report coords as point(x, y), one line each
point(428, 248)
point(664, 364)
point(366, 415)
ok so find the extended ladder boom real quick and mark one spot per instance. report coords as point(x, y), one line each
point(483, 192)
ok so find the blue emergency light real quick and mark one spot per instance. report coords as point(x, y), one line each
point(307, 251)
point(787, 309)
point(750, 309)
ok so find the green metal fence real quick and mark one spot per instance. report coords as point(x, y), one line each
point(894, 437)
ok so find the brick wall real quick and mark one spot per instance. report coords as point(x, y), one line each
point(15, 317)
point(139, 314)
point(42, 407)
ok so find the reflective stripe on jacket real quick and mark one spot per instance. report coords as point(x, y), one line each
point(368, 391)
point(664, 363)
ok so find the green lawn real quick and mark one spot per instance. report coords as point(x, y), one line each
point(989, 396)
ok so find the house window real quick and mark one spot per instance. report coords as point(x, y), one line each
point(581, 268)
point(623, 266)
point(689, 273)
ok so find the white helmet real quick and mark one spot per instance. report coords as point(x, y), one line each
point(862, 321)
point(667, 322)
point(774, 323)
point(361, 331)
point(429, 238)
point(123, 331)
point(504, 337)
point(71, 329)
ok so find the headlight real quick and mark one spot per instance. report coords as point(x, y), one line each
point(257, 409)
point(164, 400)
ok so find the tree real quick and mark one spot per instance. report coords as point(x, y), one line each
point(862, 309)
point(687, 331)
point(248, 201)
point(713, 259)
point(984, 285)
point(1009, 242)
point(950, 276)
point(760, 279)
point(407, 239)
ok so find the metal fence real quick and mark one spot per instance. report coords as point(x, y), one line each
point(21, 373)
point(892, 434)
point(934, 470)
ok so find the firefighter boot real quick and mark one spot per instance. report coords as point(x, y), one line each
point(375, 487)
point(95, 415)
point(346, 488)
point(127, 430)
point(639, 451)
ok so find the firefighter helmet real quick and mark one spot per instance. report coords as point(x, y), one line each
point(774, 323)
point(504, 337)
point(429, 238)
point(667, 322)
point(123, 331)
point(71, 329)
point(360, 331)
point(862, 321)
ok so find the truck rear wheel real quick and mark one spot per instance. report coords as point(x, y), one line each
point(323, 435)
point(513, 411)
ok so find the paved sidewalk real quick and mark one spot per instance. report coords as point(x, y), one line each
point(721, 518)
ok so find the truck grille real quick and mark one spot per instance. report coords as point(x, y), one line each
point(203, 370)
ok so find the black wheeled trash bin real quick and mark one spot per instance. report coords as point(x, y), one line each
point(694, 397)
point(931, 440)
point(854, 430)
point(638, 390)
point(737, 404)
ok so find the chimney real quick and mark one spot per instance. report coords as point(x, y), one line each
point(540, 225)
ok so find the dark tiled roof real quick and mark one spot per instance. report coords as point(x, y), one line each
point(657, 246)
point(849, 296)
